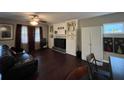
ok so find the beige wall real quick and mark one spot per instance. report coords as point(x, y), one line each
point(99, 21)
point(11, 43)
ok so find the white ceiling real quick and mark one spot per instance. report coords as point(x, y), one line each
point(50, 17)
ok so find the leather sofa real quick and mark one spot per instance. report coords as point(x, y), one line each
point(12, 68)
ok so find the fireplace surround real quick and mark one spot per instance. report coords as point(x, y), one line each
point(60, 44)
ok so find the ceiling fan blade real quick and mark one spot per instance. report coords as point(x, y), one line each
point(43, 21)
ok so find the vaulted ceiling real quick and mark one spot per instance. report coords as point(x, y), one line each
point(50, 17)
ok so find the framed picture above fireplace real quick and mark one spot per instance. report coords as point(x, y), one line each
point(6, 31)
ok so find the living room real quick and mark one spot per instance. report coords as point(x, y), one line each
point(55, 46)
point(61, 46)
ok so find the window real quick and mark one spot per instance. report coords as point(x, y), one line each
point(24, 34)
point(37, 34)
point(114, 28)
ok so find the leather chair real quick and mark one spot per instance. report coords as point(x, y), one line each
point(79, 73)
point(11, 66)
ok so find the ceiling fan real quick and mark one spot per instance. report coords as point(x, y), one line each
point(35, 20)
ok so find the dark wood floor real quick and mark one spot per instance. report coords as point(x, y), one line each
point(54, 65)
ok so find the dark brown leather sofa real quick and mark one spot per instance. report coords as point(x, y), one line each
point(15, 67)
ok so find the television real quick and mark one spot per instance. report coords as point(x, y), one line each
point(60, 43)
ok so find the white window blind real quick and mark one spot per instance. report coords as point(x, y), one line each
point(24, 35)
point(37, 34)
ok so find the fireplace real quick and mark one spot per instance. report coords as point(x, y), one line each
point(60, 44)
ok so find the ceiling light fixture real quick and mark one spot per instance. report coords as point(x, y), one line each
point(34, 23)
point(34, 20)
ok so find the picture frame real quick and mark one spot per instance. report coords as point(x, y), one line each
point(6, 31)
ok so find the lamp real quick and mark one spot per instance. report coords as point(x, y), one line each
point(3, 28)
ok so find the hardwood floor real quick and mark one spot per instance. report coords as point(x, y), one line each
point(54, 65)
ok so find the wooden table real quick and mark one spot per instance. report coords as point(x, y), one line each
point(117, 68)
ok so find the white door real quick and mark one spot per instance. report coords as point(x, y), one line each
point(96, 42)
point(85, 40)
point(92, 42)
